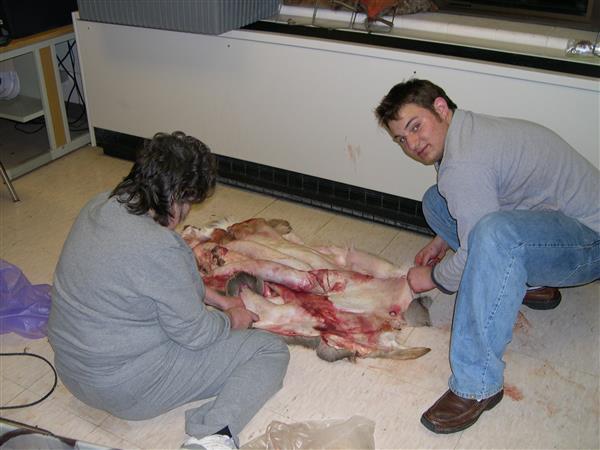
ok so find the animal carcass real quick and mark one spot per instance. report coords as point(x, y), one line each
point(343, 302)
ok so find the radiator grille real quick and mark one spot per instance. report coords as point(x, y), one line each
point(330, 195)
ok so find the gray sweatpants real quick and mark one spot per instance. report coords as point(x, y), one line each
point(243, 372)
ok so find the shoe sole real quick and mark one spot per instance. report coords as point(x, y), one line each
point(543, 305)
point(432, 427)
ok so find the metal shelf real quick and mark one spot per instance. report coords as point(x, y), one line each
point(21, 108)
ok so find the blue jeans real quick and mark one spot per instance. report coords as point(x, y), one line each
point(508, 250)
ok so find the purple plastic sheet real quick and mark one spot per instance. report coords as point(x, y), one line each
point(24, 308)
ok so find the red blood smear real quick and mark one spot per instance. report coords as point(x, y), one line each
point(360, 329)
point(333, 321)
point(216, 282)
point(513, 392)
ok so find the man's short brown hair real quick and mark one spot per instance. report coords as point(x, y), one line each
point(420, 92)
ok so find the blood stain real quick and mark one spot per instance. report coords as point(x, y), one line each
point(513, 392)
point(522, 324)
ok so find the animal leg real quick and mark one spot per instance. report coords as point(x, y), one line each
point(417, 314)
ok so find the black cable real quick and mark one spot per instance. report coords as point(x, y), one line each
point(74, 79)
point(75, 88)
point(72, 58)
point(45, 396)
point(69, 102)
point(72, 76)
point(41, 123)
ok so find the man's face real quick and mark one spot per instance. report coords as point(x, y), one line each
point(420, 133)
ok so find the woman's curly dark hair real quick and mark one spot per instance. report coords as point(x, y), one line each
point(169, 169)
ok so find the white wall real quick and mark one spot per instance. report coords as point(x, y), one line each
point(305, 104)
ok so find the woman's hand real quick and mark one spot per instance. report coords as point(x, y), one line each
point(222, 302)
point(241, 318)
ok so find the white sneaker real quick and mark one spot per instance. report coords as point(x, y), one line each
point(212, 442)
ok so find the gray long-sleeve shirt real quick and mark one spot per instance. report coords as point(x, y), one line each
point(126, 289)
point(493, 164)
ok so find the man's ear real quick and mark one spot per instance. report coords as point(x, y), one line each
point(441, 107)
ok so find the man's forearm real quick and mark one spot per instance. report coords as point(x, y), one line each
point(438, 284)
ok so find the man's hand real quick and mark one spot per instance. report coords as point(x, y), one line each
point(419, 279)
point(241, 318)
point(432, 253)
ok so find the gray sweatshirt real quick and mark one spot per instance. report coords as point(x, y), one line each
point(497, 164)
point(126, 290)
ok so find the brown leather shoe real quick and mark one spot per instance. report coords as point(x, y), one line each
point(542, 298)
point(452, 413)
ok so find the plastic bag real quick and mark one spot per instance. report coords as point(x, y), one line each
point(354, 433)
point(24, 308)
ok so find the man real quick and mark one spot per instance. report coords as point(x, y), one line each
point(128, 324)
point(518, 206)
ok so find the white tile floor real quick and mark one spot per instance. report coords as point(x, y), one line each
point(552, 375)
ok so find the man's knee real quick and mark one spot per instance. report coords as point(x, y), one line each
point(497, 228)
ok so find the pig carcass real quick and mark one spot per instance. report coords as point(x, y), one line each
point(340, 301)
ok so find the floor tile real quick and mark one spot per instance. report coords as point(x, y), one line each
point(227, 202)
point(49, 415)
point(403, 248)
point(306, 221)
point(25, 370)
point(552, 364)
point(567, 335)
point(38, 270)
point(544, 406)
point(100, 437)
point(63, 397)
point(8, 391)
point(349, 232)
point(165, 432)
point(394, 406)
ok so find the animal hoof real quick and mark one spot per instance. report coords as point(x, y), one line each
point(235, 283)
point(280, 225)
point(331, 354)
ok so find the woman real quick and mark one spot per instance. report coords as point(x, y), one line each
point(129, 324)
